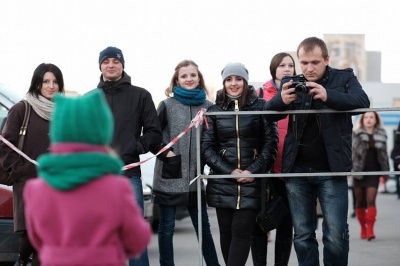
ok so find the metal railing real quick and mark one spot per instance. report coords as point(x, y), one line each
point(201, 176)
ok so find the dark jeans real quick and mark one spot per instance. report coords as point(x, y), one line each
point(332, 192)
point(283, 239)
point(398, 186)
point(136, 183)
point(397, 181)
point(166, 232)
point(236, 230)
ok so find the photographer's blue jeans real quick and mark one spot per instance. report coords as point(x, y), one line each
point(136, 183)
point(332, 192)
point(166, 232)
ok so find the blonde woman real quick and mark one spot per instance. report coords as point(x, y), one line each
point(187, 94)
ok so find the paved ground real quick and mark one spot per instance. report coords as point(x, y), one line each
point(383, 251)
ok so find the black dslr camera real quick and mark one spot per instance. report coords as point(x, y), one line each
point(299, 84)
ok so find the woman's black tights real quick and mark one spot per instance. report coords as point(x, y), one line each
point(236, 230)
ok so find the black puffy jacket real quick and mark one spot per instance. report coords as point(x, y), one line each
point(246, 142)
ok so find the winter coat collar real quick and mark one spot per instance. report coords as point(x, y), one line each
point(227, 103)
point(112, 87)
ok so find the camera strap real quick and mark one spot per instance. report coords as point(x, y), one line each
point(260, 92)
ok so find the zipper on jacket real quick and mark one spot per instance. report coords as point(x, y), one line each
point(238, 198)
point(238, 150)
point(237, 133)
point(294, 125)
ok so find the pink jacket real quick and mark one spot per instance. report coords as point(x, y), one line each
point(269, 91)
point(98, 223)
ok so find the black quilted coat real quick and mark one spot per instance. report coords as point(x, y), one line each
point(246, 142)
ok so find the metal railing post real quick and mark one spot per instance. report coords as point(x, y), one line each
point(199, 172)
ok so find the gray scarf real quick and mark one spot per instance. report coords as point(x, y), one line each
point(42, 106)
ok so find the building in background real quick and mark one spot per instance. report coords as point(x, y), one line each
point(348, 51)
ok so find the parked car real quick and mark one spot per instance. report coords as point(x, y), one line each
point(9, 240)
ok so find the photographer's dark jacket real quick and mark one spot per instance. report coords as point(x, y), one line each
point(344, 93)
point(246, 142)
point(136, 125)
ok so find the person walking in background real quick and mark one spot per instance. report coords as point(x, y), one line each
point(395, 155)
point(81, 210)
point(282, 64)
point(318, 142)
point(47, 81)
point(237, 145)
point(369, 154)
point(186, 94)
point(137, 128)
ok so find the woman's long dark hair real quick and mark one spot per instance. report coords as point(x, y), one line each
point(37, 78)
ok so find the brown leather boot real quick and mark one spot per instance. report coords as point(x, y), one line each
point(370, 221)
point(360, 214)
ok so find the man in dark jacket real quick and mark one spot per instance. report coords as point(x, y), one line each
point(319, 142)
point(137, 129)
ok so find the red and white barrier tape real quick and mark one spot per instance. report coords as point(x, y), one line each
point(196, 121)
point(9, 144)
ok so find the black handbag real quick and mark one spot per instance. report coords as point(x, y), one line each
point(273, 210)
point(5, 177)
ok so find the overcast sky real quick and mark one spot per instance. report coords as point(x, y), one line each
point(155, 35)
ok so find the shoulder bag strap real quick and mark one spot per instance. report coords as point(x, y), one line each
point(265, 193)
point(271, 188)
point(24, 126)
point(261, 92)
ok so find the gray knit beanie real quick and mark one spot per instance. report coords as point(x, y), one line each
point(235, 69)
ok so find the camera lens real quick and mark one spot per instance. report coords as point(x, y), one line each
point(300, 88)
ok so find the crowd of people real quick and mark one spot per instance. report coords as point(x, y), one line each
point(82, 144)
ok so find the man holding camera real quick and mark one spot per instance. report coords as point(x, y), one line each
point(316, 143)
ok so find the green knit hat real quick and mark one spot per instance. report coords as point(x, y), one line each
point(84, 119)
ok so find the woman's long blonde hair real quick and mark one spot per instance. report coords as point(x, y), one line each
point(174, 79)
